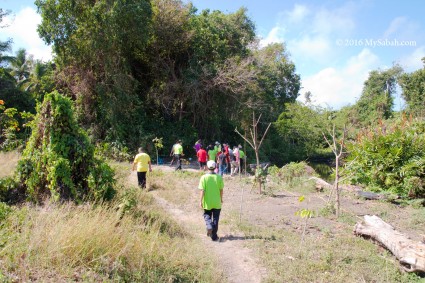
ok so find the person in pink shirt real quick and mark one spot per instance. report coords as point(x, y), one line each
point(202, 158)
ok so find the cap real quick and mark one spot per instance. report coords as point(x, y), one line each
point(211, 164)
point(217, 142)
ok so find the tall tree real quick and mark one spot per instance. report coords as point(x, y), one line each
point(95, 44)
point(413, 91)
point(377, 99)
point(20, 66)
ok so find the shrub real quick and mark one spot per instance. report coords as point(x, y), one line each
point(390, 159)
point(292, 171)
point(114, 150)
point(59, 160)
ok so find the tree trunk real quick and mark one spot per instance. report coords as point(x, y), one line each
point(257, 168)
point(337, 190)
point(411, 254)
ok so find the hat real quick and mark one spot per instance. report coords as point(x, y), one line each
point(211, 164)
point(217, 142)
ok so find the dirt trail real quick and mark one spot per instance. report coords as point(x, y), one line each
point(238, 262)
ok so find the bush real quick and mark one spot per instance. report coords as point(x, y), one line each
point(4, 211)
point(291, 172)
point(390, 159)
point(59, 161)
point(114, 150)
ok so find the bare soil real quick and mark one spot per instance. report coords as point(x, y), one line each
point(240, 263)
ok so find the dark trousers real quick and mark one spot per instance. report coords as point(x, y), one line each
point(179, 161)
point(141, 179)
point(211, 218)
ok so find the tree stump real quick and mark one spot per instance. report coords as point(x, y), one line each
point(411, 254)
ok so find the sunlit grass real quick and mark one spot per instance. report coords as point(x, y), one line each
point(8, 162)
point(129, 239)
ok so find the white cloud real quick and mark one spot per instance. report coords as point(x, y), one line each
point(396, 25)
point(276, 35)
point(298, 14)
point(412, 61)
point(22, 28)
point(402, 28)
point(310, 32)
point(337, 87)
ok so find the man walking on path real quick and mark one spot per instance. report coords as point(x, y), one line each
point(143, 163)
point(172, 154)
point(211, 192)
point(178, 153)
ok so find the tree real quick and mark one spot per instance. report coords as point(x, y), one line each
point(59, 160)
point(300, 128)
point(337, 146)
point(413, 91)
point(255, 143)
point(377, 101)
point(101, 82)
point(20, 66)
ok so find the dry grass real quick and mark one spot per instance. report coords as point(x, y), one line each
point(8, 163)
point(128, 240)
point(329, 252)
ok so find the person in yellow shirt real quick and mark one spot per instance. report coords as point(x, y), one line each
point(143, 163)
point(178, 154)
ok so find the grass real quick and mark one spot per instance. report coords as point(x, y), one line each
point(127, 240)
point(325, 255)
point(132, 240)
point(323, 258)
point(8, 163)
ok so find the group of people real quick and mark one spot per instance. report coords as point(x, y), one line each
point(218, 160)
point(228, 160)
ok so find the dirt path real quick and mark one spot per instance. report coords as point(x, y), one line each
point(238, 262)
point(238, 254)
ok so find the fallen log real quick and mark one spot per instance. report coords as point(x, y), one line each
point(371, 195)
point(321, 184)
point(411, 254)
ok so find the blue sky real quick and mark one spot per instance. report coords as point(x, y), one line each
point(334, 44)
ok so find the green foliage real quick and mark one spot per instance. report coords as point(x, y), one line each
point(6, 186)
point(59, 159)
point(413, 91)
point(390, 158)
point(376, 101)
point(292, 173)
point(300, 129)
point(4, 211)
point(11, 124)
point(113, 150)
point(158, 146)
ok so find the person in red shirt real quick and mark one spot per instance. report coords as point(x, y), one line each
point(202, 158)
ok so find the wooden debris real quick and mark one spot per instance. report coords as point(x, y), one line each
point(370, 195)
point(321, 184)
point(411, 254)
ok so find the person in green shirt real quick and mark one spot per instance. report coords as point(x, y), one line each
point(211, 192)
point(178, 153)
point(242, 157)
point(212, 153)
point(143, 163)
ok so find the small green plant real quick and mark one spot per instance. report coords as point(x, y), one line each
point(328, 209)
point(158, 146)
point(305, 214)
point(4, 211)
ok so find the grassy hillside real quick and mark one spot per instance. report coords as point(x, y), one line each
point(129, 239)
